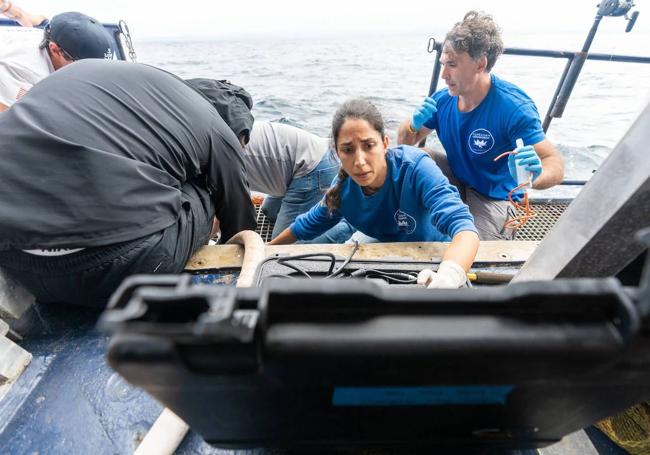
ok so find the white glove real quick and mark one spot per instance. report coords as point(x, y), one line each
point(449, 276)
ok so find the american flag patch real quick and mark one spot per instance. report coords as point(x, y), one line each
point(21, 93)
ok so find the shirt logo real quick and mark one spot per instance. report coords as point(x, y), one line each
point(480, 141)
point(405, 222)
point(109, 55)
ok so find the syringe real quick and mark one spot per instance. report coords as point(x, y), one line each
point(522, 174)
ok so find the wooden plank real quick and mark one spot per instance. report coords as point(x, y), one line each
point(14, 298)
point(13, 360)
point(496, 252)
point(577, 443)
point(216, 256)
point(165, 435)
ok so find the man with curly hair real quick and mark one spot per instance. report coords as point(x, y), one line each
point(477, 117)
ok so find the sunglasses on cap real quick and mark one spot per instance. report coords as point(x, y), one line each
point(47, 39)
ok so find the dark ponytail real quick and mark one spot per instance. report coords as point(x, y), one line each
point(357, 108)
point(333, 196)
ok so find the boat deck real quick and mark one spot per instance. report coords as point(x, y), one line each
point(547, 214)
point(101, 413)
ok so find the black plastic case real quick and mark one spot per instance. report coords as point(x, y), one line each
point(319, 363)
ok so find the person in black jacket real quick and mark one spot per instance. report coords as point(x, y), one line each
point(109, 169)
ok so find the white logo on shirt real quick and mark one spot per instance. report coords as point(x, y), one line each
point(480, 141)
point(405, 222)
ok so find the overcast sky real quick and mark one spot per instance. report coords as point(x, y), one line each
point(194, 18)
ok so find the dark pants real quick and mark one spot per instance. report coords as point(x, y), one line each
point(90, 276)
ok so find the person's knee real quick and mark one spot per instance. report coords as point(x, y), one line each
point(490, 218)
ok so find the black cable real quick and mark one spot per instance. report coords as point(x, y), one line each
point(346, 262)
point(332, 258)
point(391, 277)
point(284, 260)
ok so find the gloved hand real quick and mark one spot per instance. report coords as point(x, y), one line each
point(423, 113)
point(526, 157)
point(449, 276)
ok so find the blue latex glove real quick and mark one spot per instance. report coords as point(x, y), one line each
point(423, 113)
point(526, 157)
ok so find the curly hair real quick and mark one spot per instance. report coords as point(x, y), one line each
point(356, 108)
point(478, 35)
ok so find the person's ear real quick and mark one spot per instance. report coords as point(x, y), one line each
point(56, 57)
point(386, 141)
point(481, 64)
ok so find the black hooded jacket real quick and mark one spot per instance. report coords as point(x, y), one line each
point(97, 152)
point(233, 103)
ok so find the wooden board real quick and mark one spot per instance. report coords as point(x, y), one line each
point(495, 252)
point(14, 298)
point(13, 360)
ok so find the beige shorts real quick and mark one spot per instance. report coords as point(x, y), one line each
point(490, 215)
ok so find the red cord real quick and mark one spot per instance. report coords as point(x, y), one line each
point(526, 212)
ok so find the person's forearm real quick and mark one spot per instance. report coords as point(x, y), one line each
point(552, 173)
point(405, 135)
point(285, 237)
point(17, 14)
point(462, 249)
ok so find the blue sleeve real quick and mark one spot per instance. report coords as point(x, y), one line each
point(449, 214)
point(315, 222)
point(525, 124)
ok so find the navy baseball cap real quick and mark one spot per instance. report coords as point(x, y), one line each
point(80, 36)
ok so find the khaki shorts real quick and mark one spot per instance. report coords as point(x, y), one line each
point(490, 215)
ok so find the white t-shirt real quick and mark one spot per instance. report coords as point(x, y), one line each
point(22, 63)
point(278, 153)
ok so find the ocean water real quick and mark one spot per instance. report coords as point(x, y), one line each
point(302, 81)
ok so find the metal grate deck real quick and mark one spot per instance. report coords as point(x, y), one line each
point(547, 214)
point(536, 228)
point(264, 225)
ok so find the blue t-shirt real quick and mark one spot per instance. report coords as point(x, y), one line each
point(416, 203)
point(473, 139)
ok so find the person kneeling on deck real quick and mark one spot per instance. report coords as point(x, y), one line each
point(478, 117)
point(111, 169)
point(392, 195)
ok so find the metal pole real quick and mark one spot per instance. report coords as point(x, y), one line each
point(570, 77)
point(435, 75)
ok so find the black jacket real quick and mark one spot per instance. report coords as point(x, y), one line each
point(233, 103)
point(95, 154)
